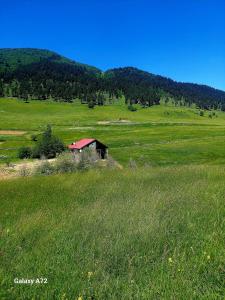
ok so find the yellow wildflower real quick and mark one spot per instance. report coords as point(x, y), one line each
point(80, 298)
point(90, 274)
point(170, 260)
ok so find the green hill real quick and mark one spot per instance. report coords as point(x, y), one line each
point(43, 74)
point(13, 58)
point(141, 85)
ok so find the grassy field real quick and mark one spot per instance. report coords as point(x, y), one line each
point(160, 135)
point(151, 232)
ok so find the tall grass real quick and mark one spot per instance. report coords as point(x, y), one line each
point(140, 233)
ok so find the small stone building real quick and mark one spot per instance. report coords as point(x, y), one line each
point(79, 146)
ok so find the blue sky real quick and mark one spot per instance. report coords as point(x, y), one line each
point(184, 39)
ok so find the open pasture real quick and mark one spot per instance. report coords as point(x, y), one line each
point(159, 135)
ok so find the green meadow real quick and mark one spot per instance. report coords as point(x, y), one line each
point(155, 231)
point(160, 135)
point(149, 233)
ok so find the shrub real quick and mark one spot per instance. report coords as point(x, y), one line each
point(24, 171)
point(24, 152)
point(66, 163)
point(35, 152)
point(91, 104)
point(3, 157)
point(88, 157)
point(131, 107)
point(45, 168)
point(49, 145)
point(34, 137)
point(201, 113)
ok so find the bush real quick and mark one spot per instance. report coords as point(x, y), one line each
point(49, 145)
point(24, 171)
point(45, 168)
point(201, 113)
point(34, 137)
point(131, 107)
point(88, 158)
point(66, 164)
point(3, 157)
point(24, 152)
point(91, 104)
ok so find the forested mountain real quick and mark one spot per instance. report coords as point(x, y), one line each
point(148, 88)
point(42, 74)
point(13, 58)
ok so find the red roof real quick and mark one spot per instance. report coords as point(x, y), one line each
point(81, 144)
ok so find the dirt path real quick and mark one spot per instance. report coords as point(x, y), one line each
point(12, 132)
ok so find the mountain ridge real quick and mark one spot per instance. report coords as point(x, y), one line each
point(37, 55)
point(30, 68)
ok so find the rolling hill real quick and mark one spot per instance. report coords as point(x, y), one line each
point(132, 80)
point(43, 74)
point(13, 58)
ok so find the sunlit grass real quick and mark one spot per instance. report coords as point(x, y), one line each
point(148, 233)
point(160, 135)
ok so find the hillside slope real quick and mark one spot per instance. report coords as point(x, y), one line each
point(138, 84)
point(42, 74)
point(13, 58)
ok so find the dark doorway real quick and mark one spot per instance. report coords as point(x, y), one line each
point(102, 150)
point(102, 153)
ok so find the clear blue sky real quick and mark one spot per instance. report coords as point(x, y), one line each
point(181, 39)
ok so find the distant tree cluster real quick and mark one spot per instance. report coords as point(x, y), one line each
point(48, 146)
